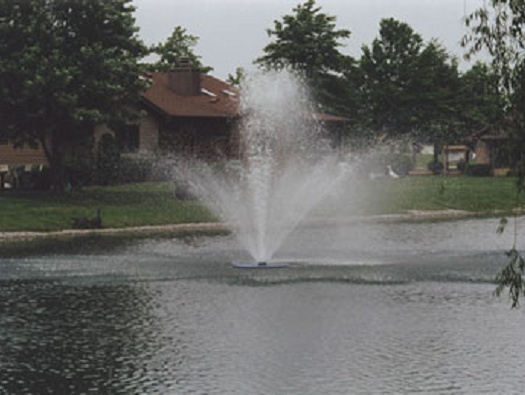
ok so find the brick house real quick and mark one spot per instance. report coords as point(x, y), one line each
point(185, 111)
point(23, 158)
point(188, 112)
point(195, 114)
point(495, 148)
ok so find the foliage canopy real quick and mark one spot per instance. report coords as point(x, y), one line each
point(409, 88)
point(66, 65)
point(308, 42)
point(178, 46)
point(499, 28)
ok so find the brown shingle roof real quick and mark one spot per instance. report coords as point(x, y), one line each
point(222, 105)
point(330, 118)
point(162, 97)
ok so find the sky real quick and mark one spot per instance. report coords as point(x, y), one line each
point(232, 33)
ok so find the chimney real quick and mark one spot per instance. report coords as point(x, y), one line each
point(185, 79)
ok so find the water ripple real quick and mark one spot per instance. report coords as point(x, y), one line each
point(184, 321)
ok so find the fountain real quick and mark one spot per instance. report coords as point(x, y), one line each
point(287, 167)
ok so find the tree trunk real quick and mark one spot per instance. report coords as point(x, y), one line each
point(55, 158)
point(436, 168)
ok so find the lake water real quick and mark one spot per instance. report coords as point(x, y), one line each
point(362, 309)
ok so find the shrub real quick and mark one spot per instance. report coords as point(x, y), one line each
point(435, 167)
point(108, 160)
point(183, 191)
point(78, 171)
point(135, 170)
point(478, 170)
point(461, 165)
point(44, 179)
point(401, 164)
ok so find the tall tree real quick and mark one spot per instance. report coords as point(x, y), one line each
point(408, 87)
point(437, 99)
point(66, 65)
point(308, 42)
point(482, 103)
point(178, 46)
point(499, 28)
point(389, 65)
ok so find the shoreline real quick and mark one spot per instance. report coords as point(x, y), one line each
point(134, 230)
point(213, 227)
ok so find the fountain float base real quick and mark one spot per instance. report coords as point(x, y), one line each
point(259, 265)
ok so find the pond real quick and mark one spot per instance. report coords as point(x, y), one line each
point(362, 308)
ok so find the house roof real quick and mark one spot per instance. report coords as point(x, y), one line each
point(455, 148)
point(217, 98)
point(330, 118)
point(488, 134)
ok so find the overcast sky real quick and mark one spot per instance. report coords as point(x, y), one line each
point(232, 33)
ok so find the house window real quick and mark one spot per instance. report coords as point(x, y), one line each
point(128, 138)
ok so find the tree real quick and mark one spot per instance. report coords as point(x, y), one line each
point(108, 160)
point(178, 46)
point(308, 42)
point(437, 100)
point(389, 66)
point(408, 88)
point(66, 65)
point(479, 93)
point(404, 80)
point(236, 79)
point(500, 30)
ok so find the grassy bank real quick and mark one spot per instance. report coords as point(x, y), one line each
point(483, 195)
point(121, 206)
point(155, 203)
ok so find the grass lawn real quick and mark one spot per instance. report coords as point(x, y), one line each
point(482, 195)
point(155, 203)
point(121, 206)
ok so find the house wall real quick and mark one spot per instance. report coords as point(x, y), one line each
point(11, 159)
point(452, 156)
point(149, 134)
point(11, 156)
point(206, 138)
point(482, 152)
point(101, 130)
point(235, 138)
